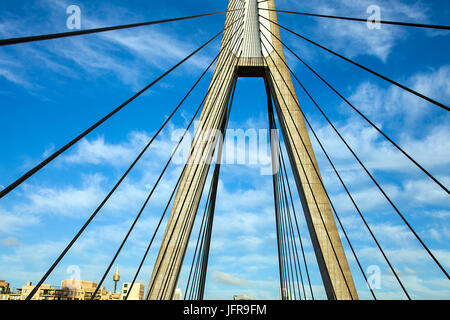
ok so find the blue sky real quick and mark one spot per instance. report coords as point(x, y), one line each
point(53, 90)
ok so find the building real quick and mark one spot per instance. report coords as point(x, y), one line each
point(72, 290)
point(45, 292)
point(69, 290)
point(10, 295)
point(84, 290)
point(4, 290)
point(242, 297)
point(136, 293)
point(4, 287)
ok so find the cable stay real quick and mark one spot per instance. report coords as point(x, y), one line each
point(290, 286)
point(154, 235)
point(14, 41)
point(56, 154)
point(318, 208)
point(330, 200)
point(289, 241)
point(363, 67)
point(173, 193)
point(310, 187)
point(197, 288)
point(105, 200)
point(290, 195)
point(362, 115)
point(285, 231)
point(200, 260)
point(376, 183)
point(195, 194)
point(281, 160)
point(405, 24)
point(160, 177)
point(294, 274)
point(192, 286)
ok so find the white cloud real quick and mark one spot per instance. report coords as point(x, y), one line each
point(225, 278)
point(377, 153)
point(440, 234)
point(13, 221)
point(368, 198)
point(355, 38)
point(68, 201)
point(97, 151)
point(10, 75)
point(398, 236)
point(37, 255)
point(439, 214)
point(383, 104)
point(426, 191)
point(121, 54)
point(425, 141)
point(12, 71)
point(412, 256)
point(10, 241)
point(79, 201)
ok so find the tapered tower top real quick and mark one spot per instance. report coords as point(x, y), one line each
point(116, 276)
point(252, 38)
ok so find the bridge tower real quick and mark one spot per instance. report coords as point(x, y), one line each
point(250, 50)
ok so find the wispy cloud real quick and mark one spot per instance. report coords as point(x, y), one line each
point(98, 151)
point(225, 278)
point(13, 71)
point(131, 56)
point(355, 38)
point(64, 201)
point(8, 242)
point(244, 238)
point(384, 104)
point(13, 222)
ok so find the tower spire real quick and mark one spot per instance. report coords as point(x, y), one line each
point(116, 278)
